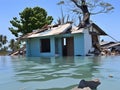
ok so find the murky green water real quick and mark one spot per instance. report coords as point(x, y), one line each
point(21, 73)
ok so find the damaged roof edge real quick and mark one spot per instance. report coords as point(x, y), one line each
point(50, 31)
point(99, 29)
point(58, 29)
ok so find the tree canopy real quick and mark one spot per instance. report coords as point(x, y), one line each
point(85, 8)
point(30, 19)
point(3, 41)
point(94, 6)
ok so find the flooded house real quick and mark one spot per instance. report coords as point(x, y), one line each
point(63, 40)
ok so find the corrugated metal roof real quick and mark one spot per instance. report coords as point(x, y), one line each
point(52, 31)
point(60, 29)
point(75, 30)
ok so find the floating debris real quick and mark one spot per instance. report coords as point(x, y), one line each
point(110, 76)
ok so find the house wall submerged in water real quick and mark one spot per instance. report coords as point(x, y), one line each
point(63, 40)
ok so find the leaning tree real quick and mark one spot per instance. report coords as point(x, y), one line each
point(85, 8)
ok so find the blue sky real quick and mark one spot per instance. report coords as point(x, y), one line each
point(10, 8)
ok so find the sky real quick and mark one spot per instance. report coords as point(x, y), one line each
point(109, 22)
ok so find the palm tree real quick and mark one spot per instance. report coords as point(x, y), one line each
point(12, 45)
point(4, 40)
point(17, 45)
point(0, 45)
point(1, 41)
point(1, 36)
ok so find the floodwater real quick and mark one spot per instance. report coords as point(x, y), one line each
point(61, 73)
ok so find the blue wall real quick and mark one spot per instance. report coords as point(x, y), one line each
point(33, 48)
point(87, 41)
point(58, 48)
point(79, 44)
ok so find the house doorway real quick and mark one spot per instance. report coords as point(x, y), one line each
point(68, 46)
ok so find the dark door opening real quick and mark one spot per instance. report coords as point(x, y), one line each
point(68, 46)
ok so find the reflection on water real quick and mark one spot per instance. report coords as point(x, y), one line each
point(60, 73)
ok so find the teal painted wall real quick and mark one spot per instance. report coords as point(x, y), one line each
point(81, 45)
point(58, 47)
point(33, 48)
point(87, 41)
point(78, 44)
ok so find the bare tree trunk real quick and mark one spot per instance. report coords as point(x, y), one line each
point(86, 15)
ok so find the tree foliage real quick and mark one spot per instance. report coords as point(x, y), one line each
point(14, 45)
point(30, 19)
point(3, 41)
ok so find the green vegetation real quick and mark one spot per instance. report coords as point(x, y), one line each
point(4, 45)
point(34, 18)
point(14, 45)
point(30, 19)
point(3, 42)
